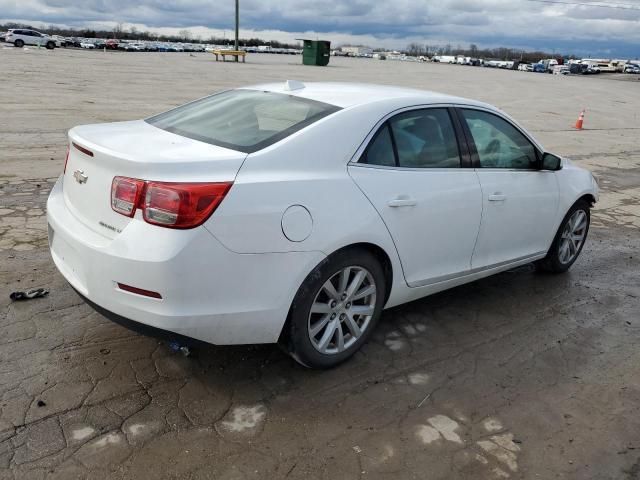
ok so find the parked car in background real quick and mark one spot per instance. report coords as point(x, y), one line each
point(87, 44)
point(631, 68)
point(233, 220)
point(539, 68)
point(549, 63)
point(71, 42)
point(561, 70)
point(21, 37)
point(2, 36)
point(111, 44)
point(577, 68)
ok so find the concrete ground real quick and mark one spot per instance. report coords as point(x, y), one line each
point(522, 375)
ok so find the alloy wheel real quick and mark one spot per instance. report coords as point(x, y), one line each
point(342, 310)
point(572, 237)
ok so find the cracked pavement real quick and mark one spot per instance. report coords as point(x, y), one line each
point(521, 375)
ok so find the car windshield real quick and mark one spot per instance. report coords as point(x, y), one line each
point(244, 120)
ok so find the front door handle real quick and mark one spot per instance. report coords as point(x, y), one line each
point(497, 197)
point(402, 202)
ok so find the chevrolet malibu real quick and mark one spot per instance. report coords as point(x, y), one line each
point(296, 213)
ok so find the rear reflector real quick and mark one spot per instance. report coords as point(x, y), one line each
point(82, 149)
point(139, 291)
point(172, 205)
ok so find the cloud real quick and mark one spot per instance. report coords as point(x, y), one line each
point(516, 23)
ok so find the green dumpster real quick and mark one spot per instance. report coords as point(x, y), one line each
point(316, 52)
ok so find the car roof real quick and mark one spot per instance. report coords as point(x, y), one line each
point(346, 95)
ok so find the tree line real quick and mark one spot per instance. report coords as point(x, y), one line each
point(119, 32)
point(185, 36)
point(502, 53)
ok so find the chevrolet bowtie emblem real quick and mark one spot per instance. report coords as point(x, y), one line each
point(80, 177)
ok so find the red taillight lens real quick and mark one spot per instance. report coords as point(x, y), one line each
point(173, 205)
point(66, 159)
point(125, 194)
point(182, 205)
point(161, 204)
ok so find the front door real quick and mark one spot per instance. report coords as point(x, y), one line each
point(519, 201)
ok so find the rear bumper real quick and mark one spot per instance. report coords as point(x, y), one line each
point(208, 292)
point(141, 328)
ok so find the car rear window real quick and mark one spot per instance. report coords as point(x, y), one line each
point(244, 120)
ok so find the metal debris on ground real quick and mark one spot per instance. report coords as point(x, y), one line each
point(29, 294)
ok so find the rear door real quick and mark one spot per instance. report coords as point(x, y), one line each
point(519, 200)
point(413, 172)
point(37, 38)
point(30, 37)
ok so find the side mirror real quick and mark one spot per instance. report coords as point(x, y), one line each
point(551, 162)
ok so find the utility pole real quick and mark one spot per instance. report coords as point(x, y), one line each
point(237, 43)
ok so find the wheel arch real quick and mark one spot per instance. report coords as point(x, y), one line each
point(549, 263)
point(587, 197)
point(378, 252)
point(381, 255)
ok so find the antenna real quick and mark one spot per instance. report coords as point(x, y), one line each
point(291, 85)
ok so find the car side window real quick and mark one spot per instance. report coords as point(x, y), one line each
point(425, 139)
point(498, 143)
point(380, 150)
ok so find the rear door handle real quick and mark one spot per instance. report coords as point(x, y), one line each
point(497, 197)
point(402, 202)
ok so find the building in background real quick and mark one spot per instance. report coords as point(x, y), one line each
point(357, 51)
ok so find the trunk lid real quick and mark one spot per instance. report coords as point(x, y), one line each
point(98, 153)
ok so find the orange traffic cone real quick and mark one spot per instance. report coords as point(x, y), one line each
point(580, 121)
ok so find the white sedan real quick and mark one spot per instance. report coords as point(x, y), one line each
point(296, 213)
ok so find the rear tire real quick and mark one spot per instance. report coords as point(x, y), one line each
point(569, 240)
point(18, 43)
point(326, 325)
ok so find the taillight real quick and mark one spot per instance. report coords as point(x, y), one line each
point(125, 195)
point(173, 205)
point(66, 159)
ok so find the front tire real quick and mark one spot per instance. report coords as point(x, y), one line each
point(51, 45)
point(336, 309)
point(569, 240)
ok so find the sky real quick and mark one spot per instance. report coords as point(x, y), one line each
point(584, 30)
